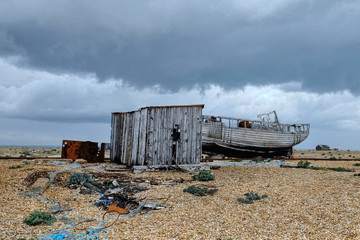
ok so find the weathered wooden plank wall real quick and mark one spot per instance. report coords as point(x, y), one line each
point(144, 137)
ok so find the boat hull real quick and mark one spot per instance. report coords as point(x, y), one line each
point(248, 142)
point(212, 148)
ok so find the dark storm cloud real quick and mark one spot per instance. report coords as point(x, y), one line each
point(180, 43)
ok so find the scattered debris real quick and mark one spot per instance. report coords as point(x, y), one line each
point(180, 180)
point(66, 233)
point(250, 197)
point(59, 208)
point(114, 208)
point(32, 177)
point(204, 176)
point(37, 218)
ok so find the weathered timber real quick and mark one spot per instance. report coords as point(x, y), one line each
point(157, 136)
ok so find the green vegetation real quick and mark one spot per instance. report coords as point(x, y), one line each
point(37, 218)
point(250, 197)
point(306, 164)
point(340, 169)
point(198, 191)
point(357, 164)
point(258, 159)
point(80, 178)
point(204, 176)
point(15, 166)
point(303, 164)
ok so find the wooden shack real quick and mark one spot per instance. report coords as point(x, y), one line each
point(163, 135)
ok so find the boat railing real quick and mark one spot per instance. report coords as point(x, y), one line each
point(255, 124)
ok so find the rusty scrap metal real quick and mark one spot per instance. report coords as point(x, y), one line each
point(86, 150)
point(114, 208)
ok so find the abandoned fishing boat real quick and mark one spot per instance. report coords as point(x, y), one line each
point(266, 137)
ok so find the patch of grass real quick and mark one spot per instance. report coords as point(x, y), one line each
point(26, 163)
point(15, 166)
point(37, 218)
point(357, 164)
point(306, 164)
point(303, 164)
point(317, 168)
point(198, 191)
point(340, 169)
point(250, 197)
point(204, 176)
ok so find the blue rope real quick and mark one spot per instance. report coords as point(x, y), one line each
point(152, 209)
point(65, 233)
point(94, 234)
point(103, 202)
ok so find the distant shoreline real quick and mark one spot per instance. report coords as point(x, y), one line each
point(33, 146)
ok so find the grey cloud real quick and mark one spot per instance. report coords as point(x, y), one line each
point(178, 43)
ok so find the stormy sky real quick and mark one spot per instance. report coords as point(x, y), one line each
point(66, 65)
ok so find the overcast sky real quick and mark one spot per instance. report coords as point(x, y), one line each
point(66, 65)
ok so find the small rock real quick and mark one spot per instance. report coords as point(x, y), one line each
point(153, 182)
point(80, 161)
